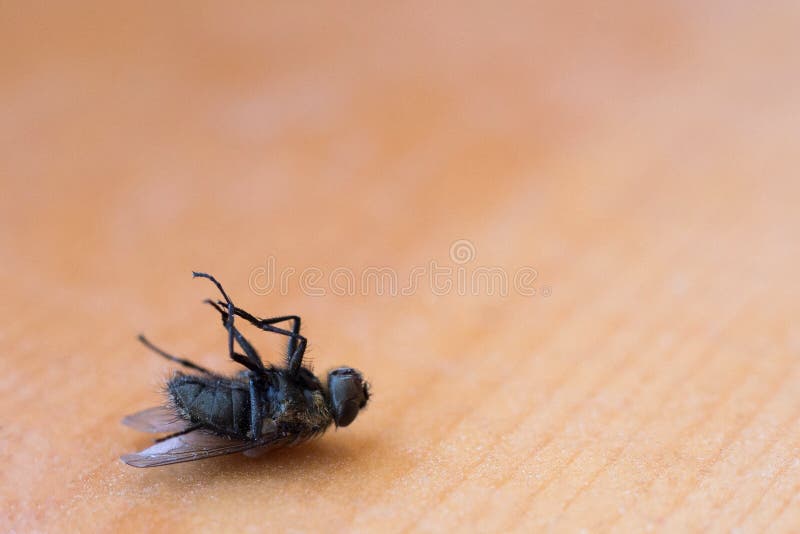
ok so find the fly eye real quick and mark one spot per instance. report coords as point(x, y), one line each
point(346, 413)
point(348, 394)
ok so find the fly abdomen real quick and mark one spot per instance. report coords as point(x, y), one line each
point(219, 404)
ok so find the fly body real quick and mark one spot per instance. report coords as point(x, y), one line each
point(262, 408)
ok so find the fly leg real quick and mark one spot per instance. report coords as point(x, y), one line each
point(297, 342)
point(293, 339)
point(250, 355)
point(256, 407)
point(185, 363)
point(250, 359)
point(295, 332)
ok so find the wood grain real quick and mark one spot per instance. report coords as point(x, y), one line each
point(642, 159)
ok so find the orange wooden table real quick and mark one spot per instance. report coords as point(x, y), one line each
point(559, 239)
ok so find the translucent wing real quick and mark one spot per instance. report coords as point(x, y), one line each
point(198, 445)
point(156, 419)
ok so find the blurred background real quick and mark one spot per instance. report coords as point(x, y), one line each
point(638, 161)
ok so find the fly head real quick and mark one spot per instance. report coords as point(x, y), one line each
point(349, 393)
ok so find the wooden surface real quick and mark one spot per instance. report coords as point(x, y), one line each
point(643, 160)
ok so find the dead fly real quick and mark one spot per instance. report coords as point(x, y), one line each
point(259, 409)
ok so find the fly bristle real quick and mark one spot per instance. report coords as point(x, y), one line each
point(170, 400)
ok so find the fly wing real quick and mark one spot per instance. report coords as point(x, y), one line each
point(197, 445)
point(156, 419)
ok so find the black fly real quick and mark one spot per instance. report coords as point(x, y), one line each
point(259, 409)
